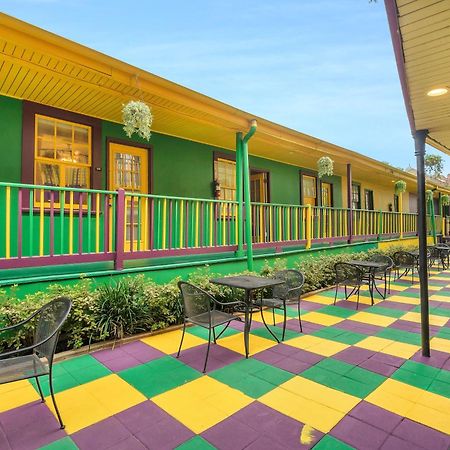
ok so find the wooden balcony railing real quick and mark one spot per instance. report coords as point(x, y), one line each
point(43, 225)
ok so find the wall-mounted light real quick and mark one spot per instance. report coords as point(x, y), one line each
point(437, 92)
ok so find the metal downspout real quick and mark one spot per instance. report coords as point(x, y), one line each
point(239, 196)
point(247, 201)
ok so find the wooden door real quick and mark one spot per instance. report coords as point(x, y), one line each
point(326, 195)
point(258, 187)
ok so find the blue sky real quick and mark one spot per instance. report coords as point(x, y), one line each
point(323, 67)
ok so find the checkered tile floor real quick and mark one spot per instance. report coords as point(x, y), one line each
point(353, 379)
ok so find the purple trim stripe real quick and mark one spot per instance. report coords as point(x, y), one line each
point(19, 225)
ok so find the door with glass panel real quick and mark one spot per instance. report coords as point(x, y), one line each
point(128, 170)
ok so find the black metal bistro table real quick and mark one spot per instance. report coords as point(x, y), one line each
point(370, 267)
point(248, 283)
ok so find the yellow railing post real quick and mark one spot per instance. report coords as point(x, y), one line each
point(400, 207)
point(308, 226)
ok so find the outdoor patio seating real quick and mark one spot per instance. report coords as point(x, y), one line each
point(349, 275)
point(285, 294)
point(36, 360)
point(383, 273)
point(200, 308)
point(406, 262)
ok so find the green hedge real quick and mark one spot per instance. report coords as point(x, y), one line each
point(135, 304)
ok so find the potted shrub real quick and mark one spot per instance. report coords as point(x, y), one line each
point(325, 166)
point(400, 187)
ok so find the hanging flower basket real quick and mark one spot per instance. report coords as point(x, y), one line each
point(137, 118)
point(429, 195)
point(445, 200)
point(325, 166)
point(400, 187)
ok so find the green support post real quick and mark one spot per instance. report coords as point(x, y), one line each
point(247, 201)
point(433, 221)
point(239, 195)
point(380, 224)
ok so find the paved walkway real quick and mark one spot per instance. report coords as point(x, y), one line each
point(351, 380)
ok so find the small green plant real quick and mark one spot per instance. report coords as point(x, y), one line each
point(429, 195)
point(445, 200)
point(325, 166)
point(400, 187)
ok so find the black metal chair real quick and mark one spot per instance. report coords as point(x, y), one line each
point(349, 275)
point(384, 273)
point(406, 262)
point(200, 309)
point(438, 255)
point(36, 360)
point(285, 294)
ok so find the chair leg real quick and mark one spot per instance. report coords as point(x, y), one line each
point(273, 316)
point(267, 326)
point(207, 350)
point(389, 289)
point(182, 338)
point(335, 294)
point(299, 316)
point(50, 382)
point(40, 390)
point(284, 321)
point(214, 335)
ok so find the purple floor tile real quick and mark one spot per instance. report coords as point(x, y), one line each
point(421, 435)
point(437, 358)
point(390, 360)
point(274, 425)
point(123, 362)
point(282, 362)
point(230, 434)
point(166, 434)
point(375, 416)
point(358, 434)
point(218, 357)
point(352, 305)
point(101, 435)
point(240, 325)
point(378, 367)
point(396, 305)
point(140, 416)
point(30, 426)
point(395, 443)
point(142, 352)
point(358, 327)
point(297, 353)
point(308, 327)
point(109, 354)
point(354, 355)
point(310, 306)
point(130, 443)
point(265, 443)
point(4, 444)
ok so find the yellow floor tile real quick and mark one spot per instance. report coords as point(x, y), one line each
point(322, 299)
point(303, 409)
point(256, 344)
point(13, 395)
point(321, 394)
point(401, 349)
point(434, 320)
point(372, 319)
point(440, 298)
point(268, 317)
point(402, 299)
point(374, 343)
point(202, 403)
point(414, 403)
point(440, 344)
point(363, 300)
point(321, 319)
point(169, 342)
point(317, 345)
point(399, 287)
point(92, 402)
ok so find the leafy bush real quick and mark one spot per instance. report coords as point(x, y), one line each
point(134, 304)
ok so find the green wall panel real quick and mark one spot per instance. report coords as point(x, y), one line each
point(10, 139)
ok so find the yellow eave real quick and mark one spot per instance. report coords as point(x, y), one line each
point(40, 66)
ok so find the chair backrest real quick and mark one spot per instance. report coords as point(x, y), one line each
point(387, 260)
point(403, 258)
point(348, 272)
point(196, 301)
point(49, 321)
point(292, 286)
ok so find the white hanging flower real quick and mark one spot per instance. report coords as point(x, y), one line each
point(429, 195)
point(137, 118)
point(325, 166)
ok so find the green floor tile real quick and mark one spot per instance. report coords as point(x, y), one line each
point(421, 369)
point(329, 442)
point(158, 376)
point(196, 443)
point(61, 444)
point(60, 383)
point(277, 331)
point(203, 332)
point(408, 294)
point(440, 388)
point(413, 379)
point(338, 335)
point(253, 378)
point(399, 335)
point(344, 377)
point(386, 311)
point(337, 311)
point(443, 333)
point(80, 362)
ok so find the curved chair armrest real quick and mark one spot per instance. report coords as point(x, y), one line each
point(228, 303)
point(18, 325)
point(29, 347)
